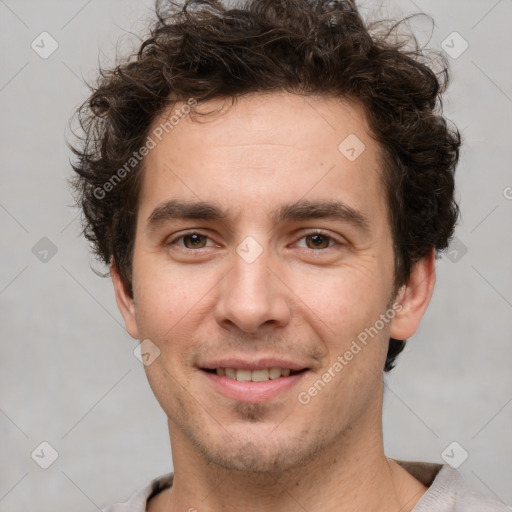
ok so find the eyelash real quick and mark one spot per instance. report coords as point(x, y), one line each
point(333, 241)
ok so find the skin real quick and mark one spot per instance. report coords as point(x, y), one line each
point(202, 301)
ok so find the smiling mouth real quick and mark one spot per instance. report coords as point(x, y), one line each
point(245, 375)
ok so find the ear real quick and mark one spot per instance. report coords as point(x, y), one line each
point(125, 301)
point(414, 298)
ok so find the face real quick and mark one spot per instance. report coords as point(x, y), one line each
point(262, 253)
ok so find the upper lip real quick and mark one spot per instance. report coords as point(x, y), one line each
point(253, 364)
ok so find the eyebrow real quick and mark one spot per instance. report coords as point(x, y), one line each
point(300, 210)
point(335, 210)
point(178, 209)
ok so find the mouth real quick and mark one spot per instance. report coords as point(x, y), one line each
point(246, 375)
point(253, 383)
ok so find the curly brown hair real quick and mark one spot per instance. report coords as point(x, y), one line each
point(204, 50)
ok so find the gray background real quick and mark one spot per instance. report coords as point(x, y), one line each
point(68, 374)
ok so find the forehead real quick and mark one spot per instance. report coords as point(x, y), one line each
point(266, 150)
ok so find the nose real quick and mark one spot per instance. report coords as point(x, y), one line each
point(252, 297)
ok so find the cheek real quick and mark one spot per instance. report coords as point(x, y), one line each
point(344, 300)
point(162, 298)
point(172, 302)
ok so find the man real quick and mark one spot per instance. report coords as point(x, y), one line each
point(270, 185)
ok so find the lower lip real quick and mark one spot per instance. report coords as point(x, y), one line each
point(252, 392)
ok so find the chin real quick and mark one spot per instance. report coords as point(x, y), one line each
point(254, 458)
point(262, 452)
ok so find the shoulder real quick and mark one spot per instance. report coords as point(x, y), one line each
point(448, 492)
point(138, 502)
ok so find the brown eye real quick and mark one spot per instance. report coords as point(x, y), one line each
point(196, 241)
point(317, 241)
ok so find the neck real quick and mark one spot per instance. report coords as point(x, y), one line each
point(350, 475)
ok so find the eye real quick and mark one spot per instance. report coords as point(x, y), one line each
point(318, 240)
point(190, 241)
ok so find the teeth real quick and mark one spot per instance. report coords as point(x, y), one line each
point(259, 375)
point(244, 375)
point(274, 373)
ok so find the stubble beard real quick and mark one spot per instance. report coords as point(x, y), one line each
point(273, 451)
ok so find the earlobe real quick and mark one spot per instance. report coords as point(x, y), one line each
point(125, 301)
point(414, 297)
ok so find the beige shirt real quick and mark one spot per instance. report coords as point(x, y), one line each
point(447, 492)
